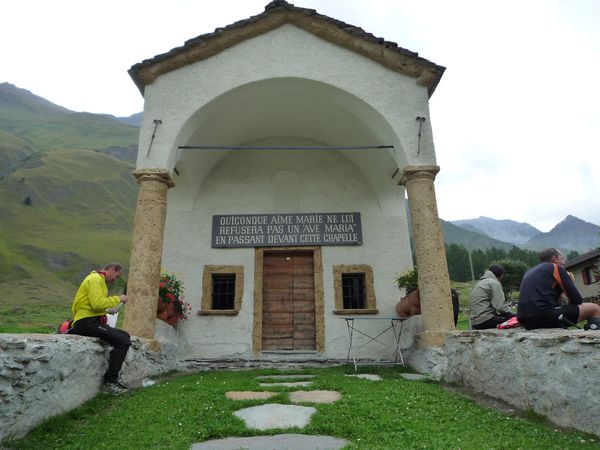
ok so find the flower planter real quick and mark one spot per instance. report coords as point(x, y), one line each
point(163, 315)
point(171, 311)
point(174, 307)
point(161, 306)
point(410, 305)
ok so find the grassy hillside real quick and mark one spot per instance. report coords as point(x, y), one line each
point(46, 126)
point(67, 200)
point(13, 151)
point(72, 130)
point(70, 213)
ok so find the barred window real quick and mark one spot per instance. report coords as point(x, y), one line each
point(353, 290)
point(223, 292)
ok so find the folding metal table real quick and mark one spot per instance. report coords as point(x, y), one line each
point(390, 325)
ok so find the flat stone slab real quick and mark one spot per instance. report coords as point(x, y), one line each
point(273, 415)
point(276, 442)
point(285, 377)
point(249, 395)
point(315, 396)
point(414, 376)
point(290, 384)
point(367, 376)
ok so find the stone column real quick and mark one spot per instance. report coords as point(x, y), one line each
point(434, 281)
point(146, 251)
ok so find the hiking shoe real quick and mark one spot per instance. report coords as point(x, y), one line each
point(114, 388)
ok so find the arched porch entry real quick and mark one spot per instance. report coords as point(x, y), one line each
point(283, 122)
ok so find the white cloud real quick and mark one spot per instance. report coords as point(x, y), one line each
point(515, 118)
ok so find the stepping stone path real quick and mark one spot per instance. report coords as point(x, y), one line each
point(275, 415)
point(314, 396)
point(284, 384)
point(249, 395)
point(278, 441)
point(366, 376)
point(414, 376)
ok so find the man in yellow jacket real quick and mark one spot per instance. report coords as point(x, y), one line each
point(89, 319)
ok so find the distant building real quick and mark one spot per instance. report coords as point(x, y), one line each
point(274, 158)
point(586, 269)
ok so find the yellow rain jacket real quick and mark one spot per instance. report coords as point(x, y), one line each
point(91, 298)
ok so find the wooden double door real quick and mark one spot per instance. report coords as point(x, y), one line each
point(288, 315)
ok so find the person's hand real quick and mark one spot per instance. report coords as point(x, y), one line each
point(123, 298)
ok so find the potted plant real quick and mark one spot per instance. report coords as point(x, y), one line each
point(410, 304)
point(171, 306)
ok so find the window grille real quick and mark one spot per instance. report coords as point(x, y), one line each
point(353, 290)
point(223, 291)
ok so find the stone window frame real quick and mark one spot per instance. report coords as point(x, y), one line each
point(589, 275)
point(370, 300)
point(207, 287)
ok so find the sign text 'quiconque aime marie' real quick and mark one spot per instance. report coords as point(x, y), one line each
point(282, 230)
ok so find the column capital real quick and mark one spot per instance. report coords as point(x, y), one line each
point(161, 175)
point(410, 173)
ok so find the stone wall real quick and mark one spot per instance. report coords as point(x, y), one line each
point(42, 375)
point(554, 373)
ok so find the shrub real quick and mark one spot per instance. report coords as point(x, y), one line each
point(409, 280)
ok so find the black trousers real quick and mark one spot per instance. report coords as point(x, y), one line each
point(494, 321)
point(119, 339)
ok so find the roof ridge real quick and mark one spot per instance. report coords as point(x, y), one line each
point(278, 4)
point(280, 10)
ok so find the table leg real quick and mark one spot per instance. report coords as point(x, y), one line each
point(350, 325)
point(398, 335)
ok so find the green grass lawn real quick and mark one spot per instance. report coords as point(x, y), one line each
point(389, 414)
point(464, 290)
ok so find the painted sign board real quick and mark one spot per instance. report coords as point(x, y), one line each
point(286, 230)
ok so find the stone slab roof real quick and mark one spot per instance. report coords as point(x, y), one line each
point(581, 259)
point(276, 14)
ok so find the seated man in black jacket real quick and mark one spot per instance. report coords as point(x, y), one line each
point(540, 293)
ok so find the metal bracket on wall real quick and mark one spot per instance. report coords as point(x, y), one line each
point(420, 120)
point(157, 122)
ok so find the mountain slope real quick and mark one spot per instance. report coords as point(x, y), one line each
point(46, 126)
point(13, 150)
point(471, 240)
point(71, 212)
point(570, 234)
point(17, 99)
point(67, 200)
point(517, 233)
point(134, 119)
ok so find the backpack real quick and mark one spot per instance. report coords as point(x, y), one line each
point(66, 327)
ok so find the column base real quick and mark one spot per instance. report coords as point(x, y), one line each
point(427, 339)
point(141, 330)
point(152, 344)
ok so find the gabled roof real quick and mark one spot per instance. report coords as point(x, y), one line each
point(276, 14)
point(581, 259)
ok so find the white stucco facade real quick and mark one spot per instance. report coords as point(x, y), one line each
point(259, 181)
point(286, 87)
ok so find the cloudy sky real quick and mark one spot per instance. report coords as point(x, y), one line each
point(516, 116)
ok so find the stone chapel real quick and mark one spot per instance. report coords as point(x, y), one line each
point(275, 158)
